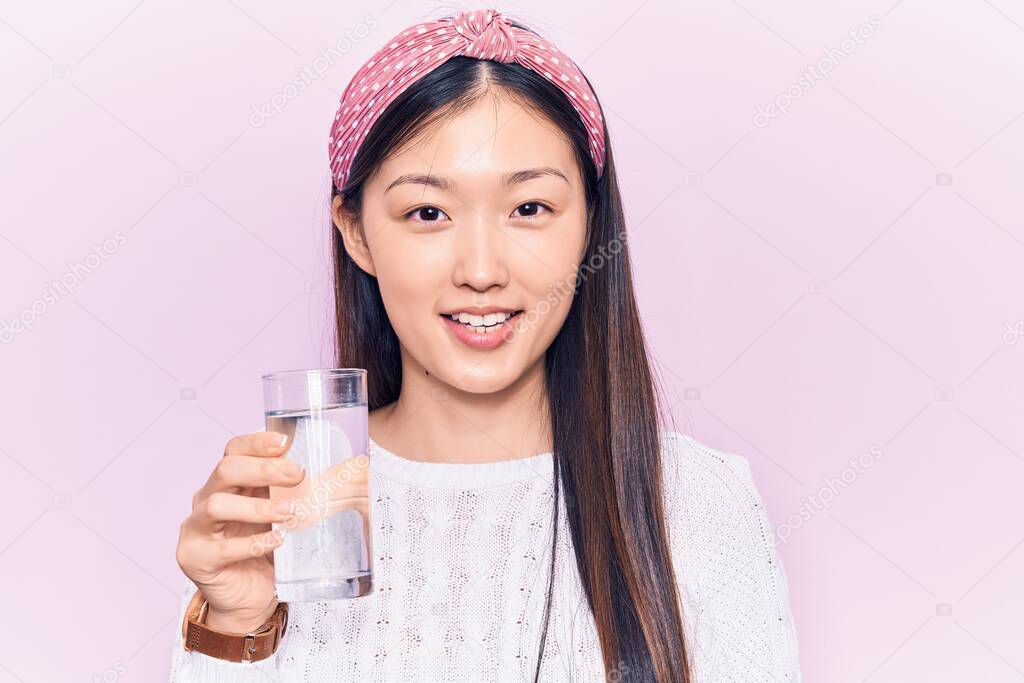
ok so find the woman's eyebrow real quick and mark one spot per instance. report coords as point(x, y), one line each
point(531, 173)
point(447, 185)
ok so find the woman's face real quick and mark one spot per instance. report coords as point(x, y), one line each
point(486, 210)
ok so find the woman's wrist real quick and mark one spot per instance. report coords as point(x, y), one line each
point(233, 621)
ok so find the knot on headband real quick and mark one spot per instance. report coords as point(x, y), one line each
point(415, 52)
point(490, 35)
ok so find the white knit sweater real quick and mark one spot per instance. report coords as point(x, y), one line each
point(461, 553)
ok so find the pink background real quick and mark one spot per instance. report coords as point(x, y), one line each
point(847, 276)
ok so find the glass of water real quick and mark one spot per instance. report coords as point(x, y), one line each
point(327, 552)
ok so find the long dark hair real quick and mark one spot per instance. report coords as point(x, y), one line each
point(602, 397)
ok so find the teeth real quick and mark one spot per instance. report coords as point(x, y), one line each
point(480, 323)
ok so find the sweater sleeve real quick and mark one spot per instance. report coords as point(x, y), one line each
point(195, 667)
point(733, 587)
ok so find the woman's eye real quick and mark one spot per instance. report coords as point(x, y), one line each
point(432, 214)
point(531, 209)
point(426, 214)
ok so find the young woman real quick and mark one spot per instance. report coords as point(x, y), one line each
point(483, 280)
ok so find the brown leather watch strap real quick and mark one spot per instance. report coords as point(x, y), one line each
point(233, 647)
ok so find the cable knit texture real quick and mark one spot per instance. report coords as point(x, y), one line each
point(461, 553)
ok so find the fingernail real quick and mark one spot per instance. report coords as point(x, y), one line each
point(284, 440)
point(283, 507)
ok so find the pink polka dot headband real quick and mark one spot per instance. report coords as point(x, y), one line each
point(413, 53)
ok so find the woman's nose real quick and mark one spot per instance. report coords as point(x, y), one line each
point(480, 254)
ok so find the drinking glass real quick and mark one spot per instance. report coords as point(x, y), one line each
point(326, 553)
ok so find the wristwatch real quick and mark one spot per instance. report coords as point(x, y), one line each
point(234, 647)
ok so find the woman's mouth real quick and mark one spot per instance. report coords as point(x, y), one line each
point(481, 331)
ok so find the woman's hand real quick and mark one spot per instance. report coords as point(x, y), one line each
point(225, 545)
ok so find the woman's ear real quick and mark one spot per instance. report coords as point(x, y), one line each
point(352, 235)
